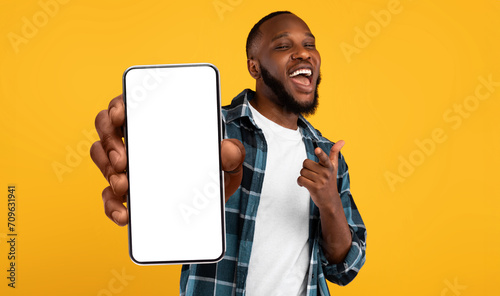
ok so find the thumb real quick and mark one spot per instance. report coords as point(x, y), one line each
point(334, 152)
point(232, 154)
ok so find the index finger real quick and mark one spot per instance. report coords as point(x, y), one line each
point(324, 160)
point(116, 111)
point(111, 135)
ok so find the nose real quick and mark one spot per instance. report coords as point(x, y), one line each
point(301, 53)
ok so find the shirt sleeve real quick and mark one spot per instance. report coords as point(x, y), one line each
point(344, 272)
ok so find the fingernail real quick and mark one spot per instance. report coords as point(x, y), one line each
point(115, 215)
point(114, 157)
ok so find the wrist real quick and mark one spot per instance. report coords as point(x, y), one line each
point(333, 206)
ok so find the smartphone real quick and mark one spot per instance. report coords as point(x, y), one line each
point(173, 134)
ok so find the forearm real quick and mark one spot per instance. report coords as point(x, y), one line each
point(336, 234)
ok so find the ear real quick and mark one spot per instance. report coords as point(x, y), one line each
point(253, 68)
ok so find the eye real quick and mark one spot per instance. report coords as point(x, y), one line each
point(282, 47)
point(310, 45)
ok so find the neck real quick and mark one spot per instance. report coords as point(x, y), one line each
point(274, 112)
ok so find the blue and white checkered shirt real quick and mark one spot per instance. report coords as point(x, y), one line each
point(228, 276)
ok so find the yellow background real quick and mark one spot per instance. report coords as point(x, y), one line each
point(433, 232)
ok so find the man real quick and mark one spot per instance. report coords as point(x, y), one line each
point(291, 221)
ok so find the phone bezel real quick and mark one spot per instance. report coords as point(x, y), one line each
point(221, 176)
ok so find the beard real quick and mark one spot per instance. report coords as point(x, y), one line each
point(287, 101)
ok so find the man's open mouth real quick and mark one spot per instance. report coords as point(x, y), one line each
point(301, 76)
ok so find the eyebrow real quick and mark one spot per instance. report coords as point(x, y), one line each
point(286, 34)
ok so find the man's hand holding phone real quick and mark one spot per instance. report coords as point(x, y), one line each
point(110, 157)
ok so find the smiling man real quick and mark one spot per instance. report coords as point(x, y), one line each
point(291, 221)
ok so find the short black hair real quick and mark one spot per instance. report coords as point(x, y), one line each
point(255, 32)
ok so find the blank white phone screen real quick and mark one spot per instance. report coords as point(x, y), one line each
point(172, 135)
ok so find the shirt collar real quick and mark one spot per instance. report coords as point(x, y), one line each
point(239, 109)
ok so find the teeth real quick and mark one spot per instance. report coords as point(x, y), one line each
point(306, 72)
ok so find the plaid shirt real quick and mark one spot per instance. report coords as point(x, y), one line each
point(228, 276)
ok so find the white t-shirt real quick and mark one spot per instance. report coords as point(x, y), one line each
point(280, 251)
